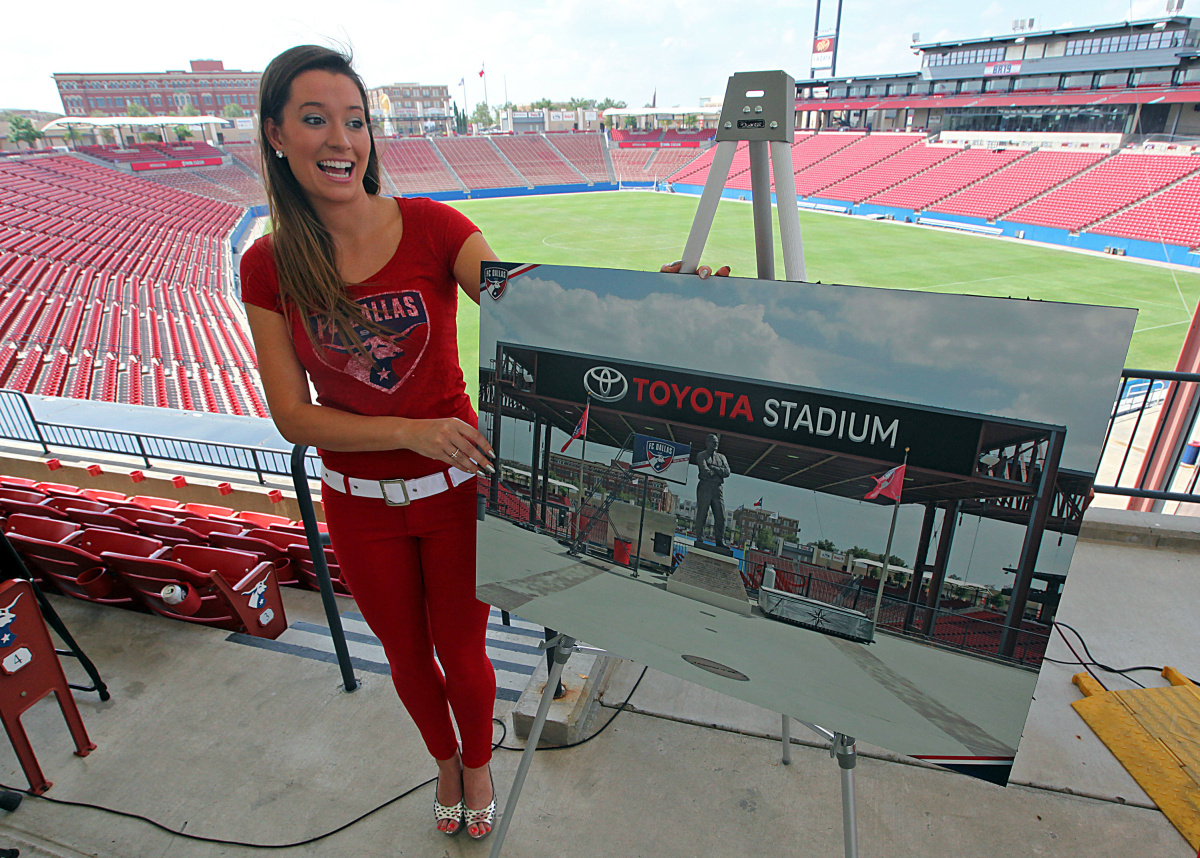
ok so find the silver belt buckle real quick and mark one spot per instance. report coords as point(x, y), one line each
point(387, 497)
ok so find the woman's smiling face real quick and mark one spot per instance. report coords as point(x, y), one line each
point(324, 136)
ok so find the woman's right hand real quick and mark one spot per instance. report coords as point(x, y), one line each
point(452, 441)
point(702, 271)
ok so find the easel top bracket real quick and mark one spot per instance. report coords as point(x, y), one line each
point(759, 107)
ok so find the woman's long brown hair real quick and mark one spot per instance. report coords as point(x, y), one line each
point(309, 282)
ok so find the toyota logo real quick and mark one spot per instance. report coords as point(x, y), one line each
point(605, 383)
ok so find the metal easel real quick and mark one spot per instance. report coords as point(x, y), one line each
point(759, 110)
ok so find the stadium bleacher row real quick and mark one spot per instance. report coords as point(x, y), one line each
point(1135, 194)
point(106, 548)
point(151, 152)
point(113, 287)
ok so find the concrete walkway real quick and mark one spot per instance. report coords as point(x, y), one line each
point(218, 739)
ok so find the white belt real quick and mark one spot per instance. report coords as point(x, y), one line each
point(396, 492)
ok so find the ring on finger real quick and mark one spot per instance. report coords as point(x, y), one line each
point(454, 455)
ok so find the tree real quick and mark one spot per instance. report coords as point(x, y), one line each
point(482, 115)
point(106, 133)
point(858, 551)
point(460, 120)
point(826, 545)
point(136, 109)
point(765, 539)
point(543, 103)
point(150, 137)
point(585, 103)
point(190, 109)
point(608, 102)
point(232, 111)
point(20, 129)
point(182, 132)
point(72, 134)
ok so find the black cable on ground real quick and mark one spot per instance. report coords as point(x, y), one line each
point(203, 839)
point(1091, 661)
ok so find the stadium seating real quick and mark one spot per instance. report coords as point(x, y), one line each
point(860, 154)
point(84, 251)
point(478, 162)
point(413, 166)
point(151, 152)
point(650, 165)
point(1113, 184)
point(585, 153)
point(945, 178)
point(888, 172)
point(1172, 216)
point(227, 589)
point(246, 154)
point(537, 161)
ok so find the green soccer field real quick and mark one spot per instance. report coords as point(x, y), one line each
point(641, 231)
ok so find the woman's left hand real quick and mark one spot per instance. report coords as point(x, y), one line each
point(702, 271)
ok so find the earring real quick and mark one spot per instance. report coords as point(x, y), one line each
point(278, 153)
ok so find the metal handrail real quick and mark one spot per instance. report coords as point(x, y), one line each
point(1128, 379)
point(18, 423)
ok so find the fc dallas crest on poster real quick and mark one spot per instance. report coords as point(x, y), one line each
point(390, 360)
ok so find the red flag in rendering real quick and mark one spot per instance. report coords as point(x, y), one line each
point(758, 502)
point(889, 485)
point(481, 72)
point(580, 429)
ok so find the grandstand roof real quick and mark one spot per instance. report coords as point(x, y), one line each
point(1181, 20)
point(151, 121)
point(1088, 98)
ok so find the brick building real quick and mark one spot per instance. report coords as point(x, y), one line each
point(209, 86)
point(412, 109)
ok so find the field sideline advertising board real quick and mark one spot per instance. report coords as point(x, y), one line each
point(756, 574)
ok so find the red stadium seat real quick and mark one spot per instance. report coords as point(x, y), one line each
point(74, 566)
point(228, 589)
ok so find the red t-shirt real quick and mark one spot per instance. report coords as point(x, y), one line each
point(416, 372)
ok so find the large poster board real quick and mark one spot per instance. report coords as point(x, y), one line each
point(805, 395)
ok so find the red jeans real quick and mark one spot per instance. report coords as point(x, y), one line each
point(412, 572)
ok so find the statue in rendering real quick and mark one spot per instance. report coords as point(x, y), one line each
point(714, 468)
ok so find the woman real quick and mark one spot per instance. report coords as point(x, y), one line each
point(358, 293)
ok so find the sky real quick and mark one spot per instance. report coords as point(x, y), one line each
point(965, 353)
point(681, 51)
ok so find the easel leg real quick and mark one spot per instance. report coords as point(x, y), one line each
point(847, 758)
point(561, 653)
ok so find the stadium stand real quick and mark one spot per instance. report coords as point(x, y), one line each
point(1017, 183)
point(537, 161)
point(624, 135)
point(585, 153)
point(1112, 184)
point(945, 178)
point(478, 163)
point(414, 166)
point(228, 184)
point(151, 152)
point(891, 171)
point(95, 265)
point(246, 154)
point(1172, 216)
point(649, 165)
point(674, 135)
point(860, 154)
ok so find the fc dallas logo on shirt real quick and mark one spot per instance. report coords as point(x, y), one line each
point(391, 359)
